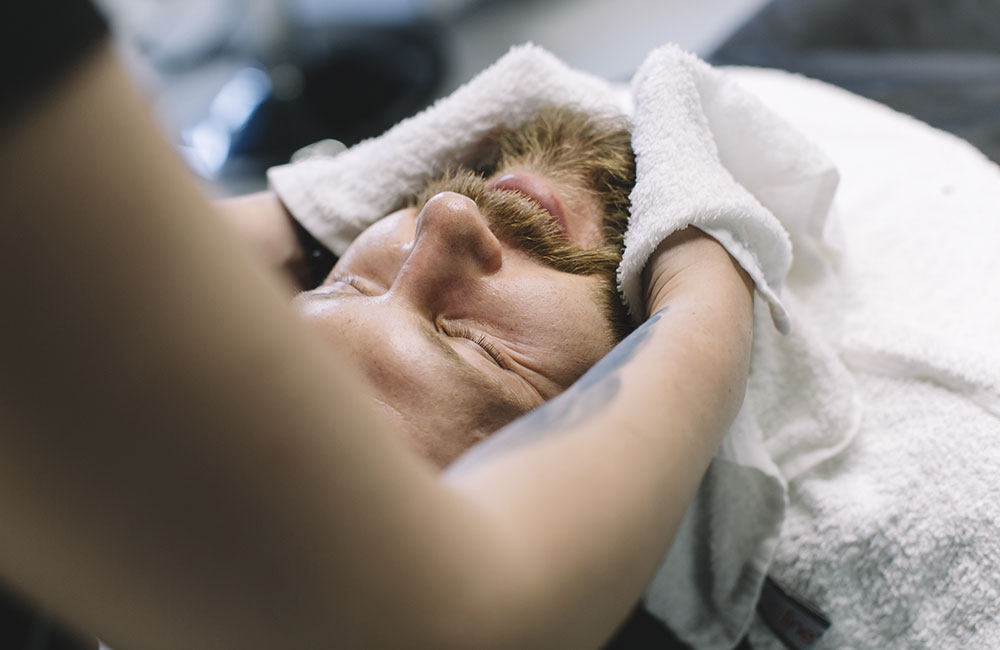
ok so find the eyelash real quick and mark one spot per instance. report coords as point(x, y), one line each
point(354, 282)
point(456, 330)
point(461, 331)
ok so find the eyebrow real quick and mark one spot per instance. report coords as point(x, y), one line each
point(514, 404)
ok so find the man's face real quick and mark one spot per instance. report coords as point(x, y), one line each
point(456, 327)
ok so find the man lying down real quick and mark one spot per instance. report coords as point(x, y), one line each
point(485, 326)
point(802, 408)
point(495, 289)
point(202, 478)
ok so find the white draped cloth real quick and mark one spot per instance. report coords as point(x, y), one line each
point(860, 470)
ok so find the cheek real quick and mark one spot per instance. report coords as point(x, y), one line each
point(569, 331)
point(384, 353)
point(432, 421)
point(440, 447)
point(426, 408)
point(434, 415)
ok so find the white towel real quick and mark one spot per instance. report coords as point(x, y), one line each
point(708, 154)
point(336, 198)
point(898, 538)
point(711, 154)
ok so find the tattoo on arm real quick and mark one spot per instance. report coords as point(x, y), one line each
point(592, 393)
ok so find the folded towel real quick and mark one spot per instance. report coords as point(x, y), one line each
point(335, 198)
point(709, 155)
point(712, 155)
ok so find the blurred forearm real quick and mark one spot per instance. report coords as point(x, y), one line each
point(262, 221)
point(172, 438)
point(627, 446)
point(183, 464)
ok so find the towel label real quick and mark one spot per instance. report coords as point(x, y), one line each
point(797, 623)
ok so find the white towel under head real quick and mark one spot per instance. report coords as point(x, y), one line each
point(708, 154)
point(898, 538)
point(336, 198)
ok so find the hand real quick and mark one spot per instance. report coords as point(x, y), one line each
point(262, 221)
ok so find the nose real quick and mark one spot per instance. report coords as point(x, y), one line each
point(453, 247)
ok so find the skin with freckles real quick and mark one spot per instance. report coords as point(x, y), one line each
point(457, 332)
point(237, 492)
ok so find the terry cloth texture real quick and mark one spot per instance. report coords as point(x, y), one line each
point(338, 197)
point(709, 154)
point(898, 538)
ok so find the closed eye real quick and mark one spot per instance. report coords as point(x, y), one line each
point(356, 282)
point(461, 331)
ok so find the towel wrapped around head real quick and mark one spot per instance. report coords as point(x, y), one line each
point(708, 154)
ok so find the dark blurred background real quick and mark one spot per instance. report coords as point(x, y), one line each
point(240, 85)
point(938, 60)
